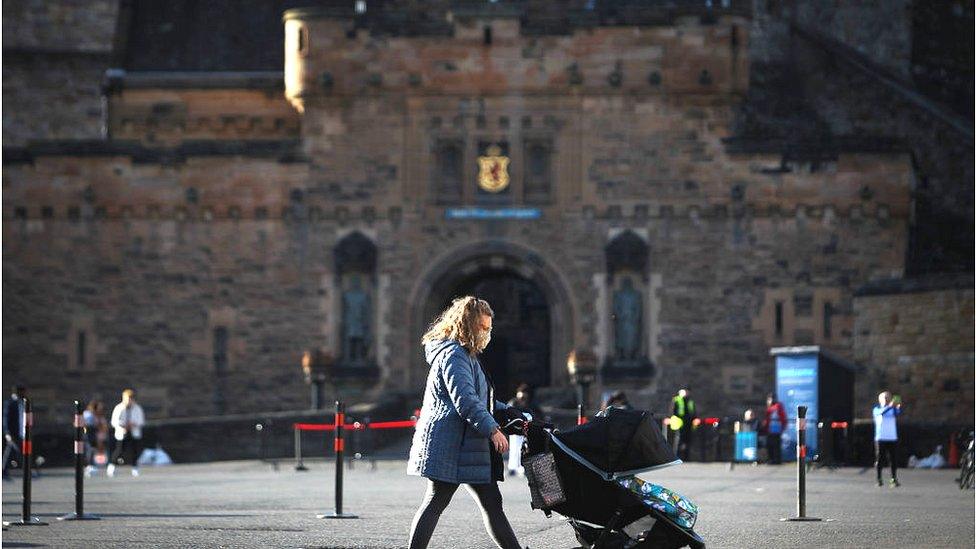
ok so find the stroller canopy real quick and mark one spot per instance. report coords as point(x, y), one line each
point(619, 444)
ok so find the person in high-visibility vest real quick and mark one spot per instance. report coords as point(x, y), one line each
point(682, 421)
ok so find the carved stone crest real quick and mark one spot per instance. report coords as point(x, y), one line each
point(493, 170)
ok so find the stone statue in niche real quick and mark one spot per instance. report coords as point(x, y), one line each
point(355, 322)
point(627, 320)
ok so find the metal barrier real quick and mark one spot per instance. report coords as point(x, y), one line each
point(801, 468)
point(361, 441)
point(79, 513)
point(357, 430)
point(340, 448)
point(27, 454)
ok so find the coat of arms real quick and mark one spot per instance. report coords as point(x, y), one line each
point(493, 170)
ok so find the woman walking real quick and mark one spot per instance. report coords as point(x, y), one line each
point(457, 441)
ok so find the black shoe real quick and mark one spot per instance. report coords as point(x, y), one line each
point(880, 483)
point(895, 483)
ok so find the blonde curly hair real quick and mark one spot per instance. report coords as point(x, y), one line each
point(462, 323)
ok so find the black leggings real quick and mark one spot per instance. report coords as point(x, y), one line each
point(128, 449)
point(439, 494)
point(889, 447)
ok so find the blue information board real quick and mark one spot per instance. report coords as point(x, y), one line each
point(797, 385)
point(493, 213)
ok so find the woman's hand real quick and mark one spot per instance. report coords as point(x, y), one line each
point(499, 441)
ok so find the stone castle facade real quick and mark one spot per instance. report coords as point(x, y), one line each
point(193, 232)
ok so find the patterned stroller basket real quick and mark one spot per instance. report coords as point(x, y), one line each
point(588, 475)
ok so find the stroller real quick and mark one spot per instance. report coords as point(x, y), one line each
point(587, 474)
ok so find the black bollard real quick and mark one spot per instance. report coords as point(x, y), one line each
point(801, 467)
point(27, 457)
point(299, 461)
point(340, 422)
point(580, 418)
point(79, 513)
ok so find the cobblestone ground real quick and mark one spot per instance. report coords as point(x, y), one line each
point(248, 504)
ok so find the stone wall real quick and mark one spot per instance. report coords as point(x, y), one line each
point(882, 31)
point(54, 58)
point(915, 338)
point(853, 70)
point(220, 209)
point(853, 102)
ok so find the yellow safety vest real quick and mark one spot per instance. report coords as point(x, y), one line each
point(677, 421)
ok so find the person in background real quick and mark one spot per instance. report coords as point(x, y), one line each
point(773, 425)
point(523, 402)
point(13, 427)
point(617, 399)
point(750, 423)
point(682, 420)
point(127, 419)
point(886, 434)
point(96, 434)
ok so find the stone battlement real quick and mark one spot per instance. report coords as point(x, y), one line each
point(486, 53)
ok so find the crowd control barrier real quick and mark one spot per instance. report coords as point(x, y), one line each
point(360, 436)
point(339, 427)
point(79, 513)
point(27, 457)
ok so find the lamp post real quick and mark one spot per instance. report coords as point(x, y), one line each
point(316, 365)
point(581, 365)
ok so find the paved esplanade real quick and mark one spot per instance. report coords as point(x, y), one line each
point(246, 504)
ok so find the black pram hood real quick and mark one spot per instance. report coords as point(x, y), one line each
point(619, 444)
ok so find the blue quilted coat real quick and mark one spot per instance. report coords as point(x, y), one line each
point(451, 439)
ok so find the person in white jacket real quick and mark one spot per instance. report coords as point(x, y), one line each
point(127, 420)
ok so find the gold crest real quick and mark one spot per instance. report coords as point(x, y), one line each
point(493, 170)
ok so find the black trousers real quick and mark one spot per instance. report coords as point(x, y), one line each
point(681, 442)
point(889, 448)
point(11, 451)
point(774, 448)
point(439, 494)
point(127, 449)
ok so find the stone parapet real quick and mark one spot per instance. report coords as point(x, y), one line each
point(915, 338)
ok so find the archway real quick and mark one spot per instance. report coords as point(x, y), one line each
point(520, 343)
point(535, 315)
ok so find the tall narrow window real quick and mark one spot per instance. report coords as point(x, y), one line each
point(538, 171)
point(220, 337)
point(302, 40)
point(828, 312)
point(448, 176)
point(779, 319)
point(82, 349)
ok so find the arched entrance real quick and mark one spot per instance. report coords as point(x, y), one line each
point(534, 317)
point(520, 339)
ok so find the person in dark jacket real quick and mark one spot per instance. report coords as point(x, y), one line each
point(617, 399)
point(13, 431)
point(457, 440)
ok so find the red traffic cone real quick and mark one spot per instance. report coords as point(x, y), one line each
point(953, 451)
